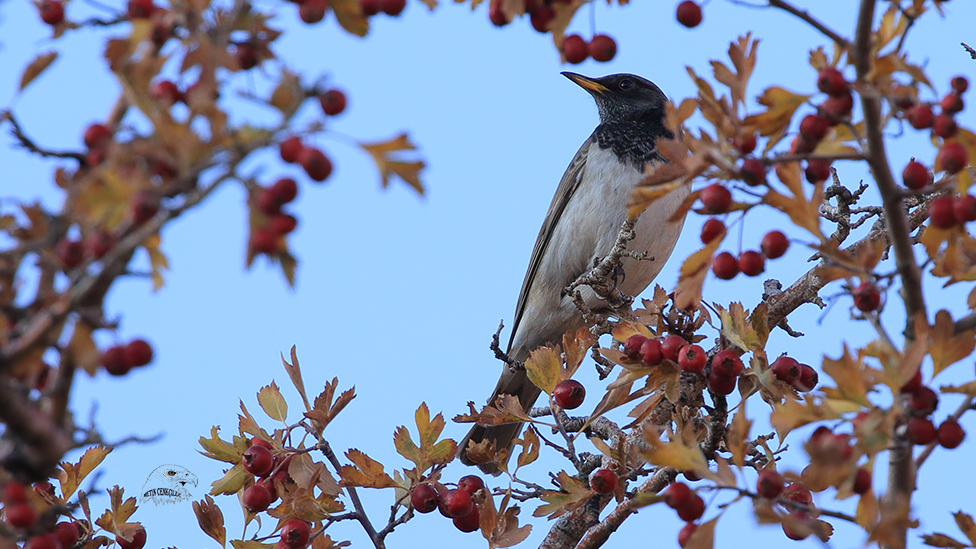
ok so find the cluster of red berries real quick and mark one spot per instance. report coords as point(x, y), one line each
point(392, 8)
point(20, 514)
point(260, 462)
point(796, 492)
point(315, 163)
point(721, 378)
point(947, 212)
point(919, 429)
point(814, 127)
point(689, 14)
point(72, 253)
point(456, 504)
point(144, 204)
point(952, 155)
point(750, 262)
point(601, 48)
point(541, 13)
point(269, 202)
point(119, 359)
point(801, 377)
point(689, 505)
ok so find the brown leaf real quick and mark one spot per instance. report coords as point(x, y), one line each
point(365, 472)
point(288, 95)
point(803, 212)
point(350, 16)
point(325, 542)
point(786, 417)
point(157, 260)
point(942, 540)
point(703, 537)
point(946, 346)
point(573, 494)
point(688, 292)
point(295, 374)
point(82, 347)
point(965, 523)
point(852, 376)
point(37, 66)
point(530, 447)
point(210, 519)
point(388, 165)
point(430, 452)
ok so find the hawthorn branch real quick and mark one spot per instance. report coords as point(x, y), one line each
point(813, 21)
point(356, 503)
point(26, 142)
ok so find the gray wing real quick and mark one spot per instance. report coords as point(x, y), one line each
point(564, 193)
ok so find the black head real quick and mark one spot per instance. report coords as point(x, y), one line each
point(622, 97)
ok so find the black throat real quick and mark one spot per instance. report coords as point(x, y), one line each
point(634, 140)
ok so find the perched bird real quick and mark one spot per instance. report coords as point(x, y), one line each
point(582, 225)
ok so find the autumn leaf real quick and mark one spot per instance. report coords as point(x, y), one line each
point(703, 537)
point(272, 402)
point(781, 104)
point(216, 448)
point(71, 475)
point(430, 452)
point(365, 472)
point(210, 519)
point(157, 260)
point(37, 66)
point(573, 494)
point(324, 410)
point(542, 367)
point(506, 409)
point(383, 154)
point(691, 278)
point(786, 417)
point(965, 523)
point(506, 531)
point(942, 540)
point(295, 374)
point(82, 347)
point(946, 346)
point(350, 16)
point(803, 212)
point(741, 328)
point(114, 519)
point(530, 447)
point(676, 453)
point(852, 376)
point(232, 481)
point(737, 437)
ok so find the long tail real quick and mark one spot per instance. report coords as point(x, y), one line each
point(511, 383)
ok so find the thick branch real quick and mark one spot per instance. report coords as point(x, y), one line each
point(39, 444)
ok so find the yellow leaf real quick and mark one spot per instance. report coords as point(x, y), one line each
point(365, 472)
point(350, 17)
point(272, 402)
point(157, 260)
point(38, 65)
point(688, 292)
point(388, 165)
point(804, 213)
point(530, 447)
point(677, 454)
point(82, 347)
point(852, 376)
point(946, 346)
point(542, 368)
point(781, 104)
point(210, 519)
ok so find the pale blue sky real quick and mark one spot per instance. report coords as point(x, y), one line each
point(397, 295)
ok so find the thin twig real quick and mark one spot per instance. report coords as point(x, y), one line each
point(814, 22)
point(354, 496)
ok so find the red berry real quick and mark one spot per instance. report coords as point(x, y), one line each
point(752, 263)
point(246, 55)
point(542, 16)
point(941, 213)
point(316, 164)
point(137, 540)
point(831, 81)
point(313, 11)
point(945, 126)
point(817, 170)
point(793, 532)
point(267, 201)
point(798, 493)
point(471, 484)
point(285, 190)
point(14, 492)
point(912, 384)
point(814, 127)
point(425, 498)
point(692, 511)
point(802, 145)
point(866, 296)
point(903, 96)
point(689, 14)
point(98, 243)
point(370, 7)
point(716, 199)
point(952, 103)
point(920, 431)
point(678, 495)
point(915, 175)
point(166, 92)
point(950, 434)
point(97, 136)
point(140, 9)
point(457, 502)
point(964, 208)
point(45, 541)
point(283, 224)
point(920, 116)
point(720, 384)
point(725, 266)
point(602, 48)
point(691, 475)
point(568, 394)
point(138, 352)
point(21, 515)
point(257, 498)
point(924, 400)
point(862, 481)
point(333, 102)
point(753, 172)
point(115, 362)
point(295, 534)
point(727, 363)
point(291, 149)
point(838, 106)
point(651, 352)
point(684, 535)
point(808, 379)
point(712, 229)
point(70, 253)
point(774, 244)
point(52, 12)
point(786, 369)
point(255, 441)
point(632, 347)
point(770, 484)
point(575, 49)
point(692, 359)
point(393, 8)
point(497, 15)
point(959, 84)
point(469, 522)
point(257, 460)
point(604, 481)
point(745, 143)
point(671, 346)
point(952, 157)
point(264, 241)
point(144, 207)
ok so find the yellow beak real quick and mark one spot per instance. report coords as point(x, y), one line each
point(587, 84)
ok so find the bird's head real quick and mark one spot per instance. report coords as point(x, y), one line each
point(622, 97)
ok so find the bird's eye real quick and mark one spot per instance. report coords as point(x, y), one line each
point(626, 84)
point(170, 473)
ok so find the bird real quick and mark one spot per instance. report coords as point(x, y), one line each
point(582, 225)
